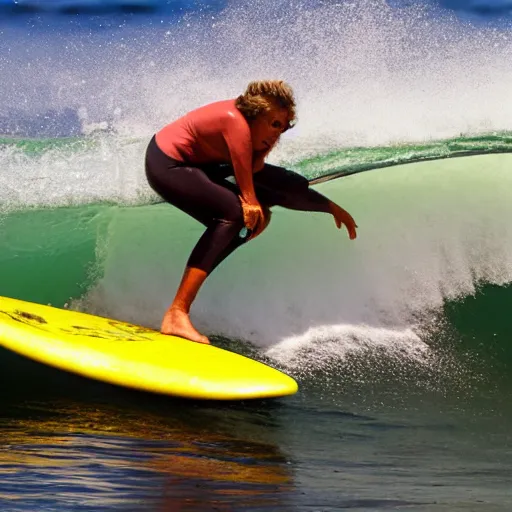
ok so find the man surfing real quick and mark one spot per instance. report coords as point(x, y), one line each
point(188, 161)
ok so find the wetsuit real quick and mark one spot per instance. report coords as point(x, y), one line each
point(188, 161)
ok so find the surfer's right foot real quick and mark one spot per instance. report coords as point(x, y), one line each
point(177, 322)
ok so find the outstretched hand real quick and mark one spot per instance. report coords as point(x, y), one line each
point(342, 217)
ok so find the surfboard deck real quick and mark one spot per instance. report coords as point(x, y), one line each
point(134, 356)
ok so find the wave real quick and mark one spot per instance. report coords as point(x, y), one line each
point(431, 234)
point(407, 88)
point(108, 168)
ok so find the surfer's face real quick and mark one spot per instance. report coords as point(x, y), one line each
point(267, 128)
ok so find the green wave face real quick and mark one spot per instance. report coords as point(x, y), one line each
point(48, 254)
point(433, 248)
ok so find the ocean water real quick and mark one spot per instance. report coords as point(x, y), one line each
point(401, 340)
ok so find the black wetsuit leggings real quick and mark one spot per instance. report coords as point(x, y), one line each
point(205, 194)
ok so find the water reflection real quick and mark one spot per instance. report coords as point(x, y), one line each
point(106, 456)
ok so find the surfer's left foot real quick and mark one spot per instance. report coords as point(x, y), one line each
point(177, 322)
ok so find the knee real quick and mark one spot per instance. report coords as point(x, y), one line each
point(230, 228)
point(234, 218)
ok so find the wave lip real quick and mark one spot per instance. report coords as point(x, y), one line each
point(106, 167)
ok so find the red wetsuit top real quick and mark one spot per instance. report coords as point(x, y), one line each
point(215, 133)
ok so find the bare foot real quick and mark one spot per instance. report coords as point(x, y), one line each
point(177, 322)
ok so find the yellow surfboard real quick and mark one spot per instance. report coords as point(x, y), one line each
point(134, 356)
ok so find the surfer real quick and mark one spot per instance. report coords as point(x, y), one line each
point(188, 161)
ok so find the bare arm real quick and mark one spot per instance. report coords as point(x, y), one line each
point(238, 139)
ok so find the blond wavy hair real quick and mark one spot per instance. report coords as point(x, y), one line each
point(264, 95)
